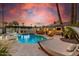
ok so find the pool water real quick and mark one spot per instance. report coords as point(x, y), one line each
point(30, 38)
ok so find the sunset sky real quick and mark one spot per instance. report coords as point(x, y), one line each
point(32, 13)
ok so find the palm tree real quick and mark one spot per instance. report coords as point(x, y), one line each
point(5, 23)
point(54, 22)
point(3, 29)
point(73, 13)
point(23, 24)
point(60, 19)
point(15, 23)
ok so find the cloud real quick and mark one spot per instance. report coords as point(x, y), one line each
point(32, 13)
point(38, 13)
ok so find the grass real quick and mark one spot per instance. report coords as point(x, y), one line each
point(4, 49)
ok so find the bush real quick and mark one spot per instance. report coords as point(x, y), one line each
point(4, 50)
point(69, 33)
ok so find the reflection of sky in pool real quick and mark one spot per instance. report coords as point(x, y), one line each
point(29, 38)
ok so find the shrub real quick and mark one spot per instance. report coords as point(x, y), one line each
point(4, 49)
point(70, 33)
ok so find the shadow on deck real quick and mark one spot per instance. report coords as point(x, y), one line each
point(70, 40)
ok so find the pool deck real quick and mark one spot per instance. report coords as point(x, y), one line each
point(26, 50)
point(58, 47)
point(17, 49)
point(54, 45)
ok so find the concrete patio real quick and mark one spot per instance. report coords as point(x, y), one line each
point(18, 49)
point(57, 46)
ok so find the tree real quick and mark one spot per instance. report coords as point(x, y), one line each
point(60, 19)
point(54, 22)
point(3, 29)
point(73, 13)
point(15, 23)
point(22, 24)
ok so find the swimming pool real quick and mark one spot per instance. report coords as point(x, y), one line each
point(30, 38)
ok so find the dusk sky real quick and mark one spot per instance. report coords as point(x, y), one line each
point(43, 13)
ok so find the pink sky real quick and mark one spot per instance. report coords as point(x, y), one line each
point(35, 13)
